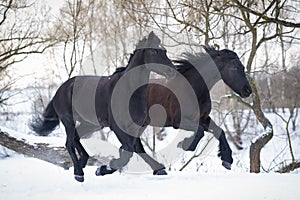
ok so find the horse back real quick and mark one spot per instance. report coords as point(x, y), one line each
point(81, 97)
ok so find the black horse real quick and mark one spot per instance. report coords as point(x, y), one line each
point(186, 99)
point(85, 102)
point(202, 71)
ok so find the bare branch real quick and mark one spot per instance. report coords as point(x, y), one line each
point(267, 18)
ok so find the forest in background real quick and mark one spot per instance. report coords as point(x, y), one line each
point(82, 35)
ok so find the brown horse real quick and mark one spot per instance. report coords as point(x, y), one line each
point(83, 102)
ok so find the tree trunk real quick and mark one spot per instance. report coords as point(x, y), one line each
point(55, 155)
point(258, 143)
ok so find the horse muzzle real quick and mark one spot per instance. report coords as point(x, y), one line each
point(246, 91)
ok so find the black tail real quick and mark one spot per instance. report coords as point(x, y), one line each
point(44, 125)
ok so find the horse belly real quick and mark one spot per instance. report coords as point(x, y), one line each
point(84, 100)
point(168, 113)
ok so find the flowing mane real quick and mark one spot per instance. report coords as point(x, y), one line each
point(185, 64)
point(121, 69)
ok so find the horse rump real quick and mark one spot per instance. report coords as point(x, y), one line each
point(45, 124)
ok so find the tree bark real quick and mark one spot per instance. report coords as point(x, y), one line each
point(55, 155)
point(258, 143)
point(290, 167)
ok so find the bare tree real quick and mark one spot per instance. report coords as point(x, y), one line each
point(24, 30)
point(266, 23)
point(102, 30)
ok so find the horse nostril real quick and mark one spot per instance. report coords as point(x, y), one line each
point(247, 90)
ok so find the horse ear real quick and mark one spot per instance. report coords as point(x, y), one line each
point(151, 35)
point(205, 48)
point(211, 51)
point(153, 38)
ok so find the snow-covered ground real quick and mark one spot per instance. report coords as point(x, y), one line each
point(28, 178)
point(204, 178)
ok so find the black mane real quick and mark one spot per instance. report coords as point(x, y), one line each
point(182, 65)
point(121, 69)
point(185, 64)
point(118, 70)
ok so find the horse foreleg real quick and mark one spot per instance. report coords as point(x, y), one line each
point(190, 143)
point(225, 151)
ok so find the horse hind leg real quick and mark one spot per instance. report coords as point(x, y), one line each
point(84, 156)
point(125, 155)
point(70, 145)
point(158, 168)
point(115, 164)
point(125, 152)
point(84, 130)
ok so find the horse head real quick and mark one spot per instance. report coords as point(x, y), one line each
point(231, 69)
point(155, 56)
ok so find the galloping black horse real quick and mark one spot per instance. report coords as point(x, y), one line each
point(83, 102)
point(186, 99)
point(202, 71)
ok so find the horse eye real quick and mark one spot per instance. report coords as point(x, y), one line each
point(154, 52)
point(234, 68)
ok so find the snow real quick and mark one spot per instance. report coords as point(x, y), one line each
point(28, 178)
point(204, 178)
point(268, 131)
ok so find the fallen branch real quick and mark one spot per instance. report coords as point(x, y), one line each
point(55, 155)
point(288, 168)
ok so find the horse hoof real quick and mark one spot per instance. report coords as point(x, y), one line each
point(79, 178)
point(226, 164)
point(103, 170)
point(160, 172)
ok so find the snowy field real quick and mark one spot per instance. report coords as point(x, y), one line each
point(204, 178)
point(28, 178)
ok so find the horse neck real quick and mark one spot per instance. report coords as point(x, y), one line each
point(208, 72)
point(136, 71)
point(137, 75)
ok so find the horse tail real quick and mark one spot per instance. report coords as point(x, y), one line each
point(45, 124)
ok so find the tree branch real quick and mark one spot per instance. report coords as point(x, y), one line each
point(291, 167)
point(55, 155)
point(5, 11)
point(267, 18)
